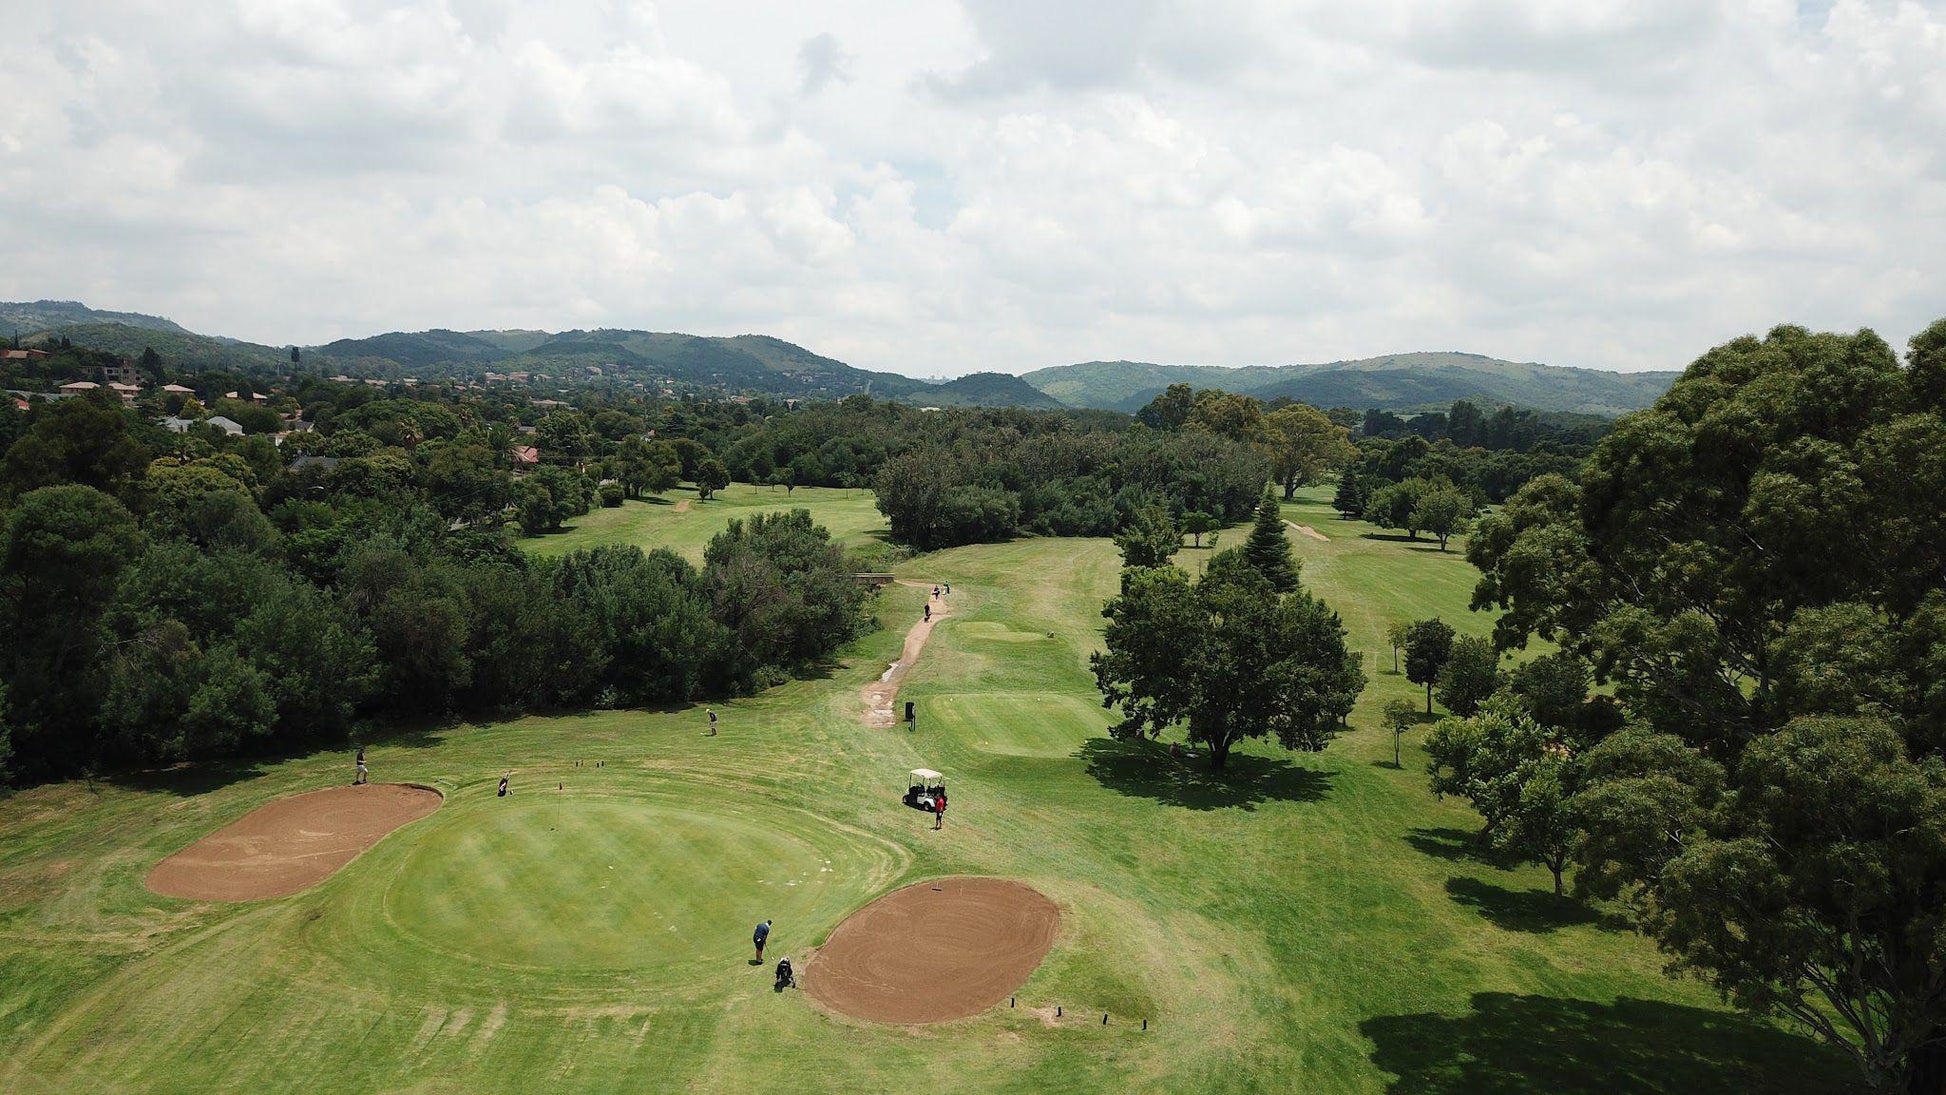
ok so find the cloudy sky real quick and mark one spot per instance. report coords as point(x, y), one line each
point(939, 186)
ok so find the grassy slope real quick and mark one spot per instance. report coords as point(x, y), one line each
point(850, 515)
point(1312, 923)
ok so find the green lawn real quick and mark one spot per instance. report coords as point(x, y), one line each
point(682, 522)
point(1313, 923)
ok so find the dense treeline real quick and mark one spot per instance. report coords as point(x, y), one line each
point(1756, 567)
point(165, 598)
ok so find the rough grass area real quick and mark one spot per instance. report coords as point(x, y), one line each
point(1308, 922)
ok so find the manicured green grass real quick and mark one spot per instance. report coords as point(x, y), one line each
point(851, 516)
point(1313, 923)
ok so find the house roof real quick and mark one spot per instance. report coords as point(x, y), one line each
point(79, 386)
point(326, 462)
point(227, 425)
point(526, 454)
point(178, 389)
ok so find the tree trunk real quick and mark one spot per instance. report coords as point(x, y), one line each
point(1557, 866)
point(1395, 750)
point(1428, 697)
point(1925, 1068)
point(1290, 486)
point(1219, 752)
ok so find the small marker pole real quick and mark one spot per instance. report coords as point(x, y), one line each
point(1104, 1018)
point(1145, 1024)
point(1010, 1001)
point(1057, 1011)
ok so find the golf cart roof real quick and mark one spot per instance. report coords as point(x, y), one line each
point(926, 773)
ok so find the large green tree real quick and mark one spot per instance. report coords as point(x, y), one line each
point(76, 441)
point(1755, 564)
point(1268, 549)
point(1304, 445)
point(1150, 539)
point(1227, 657)
point(1517, 774)
point(1428, 644)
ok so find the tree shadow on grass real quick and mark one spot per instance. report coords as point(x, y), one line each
point(1536, 911)
point(1513, 1044)
point(189, 779)
point(1146, 770)
point(1459, 846)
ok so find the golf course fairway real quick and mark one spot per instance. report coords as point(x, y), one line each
point(1311, 923)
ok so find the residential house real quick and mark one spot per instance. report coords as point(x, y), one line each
point(128, 392)
point(124, 373)
point(78, 387)
point(176, 425)
point(526, 456)
point(227, 425)
point(177, 389)
point(22, 355)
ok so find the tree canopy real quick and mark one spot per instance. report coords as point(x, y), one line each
point(1756, 566)
point(1227, 657)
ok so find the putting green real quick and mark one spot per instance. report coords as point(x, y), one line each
point(625, 881)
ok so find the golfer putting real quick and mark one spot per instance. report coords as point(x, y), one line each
point(760, 937)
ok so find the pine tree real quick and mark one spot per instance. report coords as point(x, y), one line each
point(1268, 549)
point(1350, 499)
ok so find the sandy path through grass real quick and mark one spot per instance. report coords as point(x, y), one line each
point(880, 694)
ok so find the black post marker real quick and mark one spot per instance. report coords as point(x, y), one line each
point(1057, 1011)
point(1104, 1018)
point(1010, 1001)
point(1145, 1024)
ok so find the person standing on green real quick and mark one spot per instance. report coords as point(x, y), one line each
point(760, 937)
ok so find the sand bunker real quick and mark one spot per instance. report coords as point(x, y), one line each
point(291, 844)
point(1309, 531)
point(932, 952)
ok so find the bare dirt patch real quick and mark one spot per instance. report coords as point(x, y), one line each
point(1309, 531)
point(933, 952)
point(291, 844)
point(681, 506)
point(880, 694)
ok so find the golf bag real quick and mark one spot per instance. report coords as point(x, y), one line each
point(785, 978)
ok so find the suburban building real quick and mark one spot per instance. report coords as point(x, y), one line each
point(227, 425)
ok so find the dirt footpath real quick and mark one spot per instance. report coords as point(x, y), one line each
point(881, 695)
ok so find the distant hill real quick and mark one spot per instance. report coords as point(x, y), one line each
point(178, 349)
point(31, 318)
point(760, 364)
point(1400, 382)
point(987, 390)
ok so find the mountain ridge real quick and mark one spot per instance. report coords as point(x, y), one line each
point(755, 363)
point(1421, 380)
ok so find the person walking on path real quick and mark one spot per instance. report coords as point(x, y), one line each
point(712, 720)
point(939, 811)
point(949, 589)
point(928, 613)
point(760, 937)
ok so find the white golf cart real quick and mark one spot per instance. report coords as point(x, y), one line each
point(925, 790)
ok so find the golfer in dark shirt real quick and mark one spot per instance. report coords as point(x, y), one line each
point(760, 937)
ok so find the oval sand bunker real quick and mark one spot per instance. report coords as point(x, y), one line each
point(291, 844)
point(920, 955)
